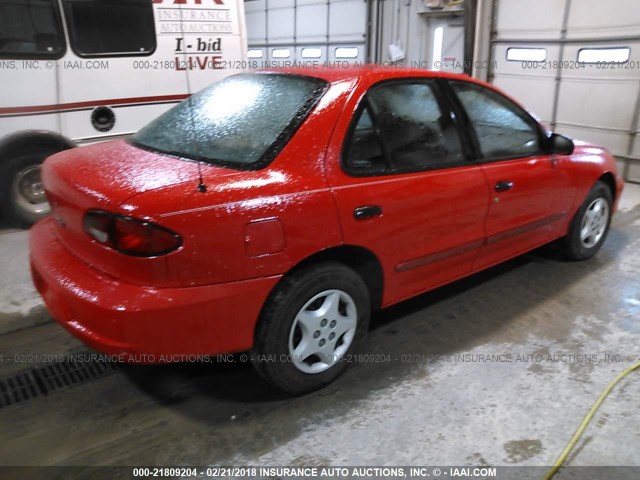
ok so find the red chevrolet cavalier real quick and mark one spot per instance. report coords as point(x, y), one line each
point(273, 211)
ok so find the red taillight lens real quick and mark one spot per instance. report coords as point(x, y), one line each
point(129, 235)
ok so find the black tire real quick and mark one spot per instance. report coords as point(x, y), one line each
point(574, 247)
point(270, 355)
point(14, 209)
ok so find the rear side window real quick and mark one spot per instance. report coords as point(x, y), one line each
point(365, 154)
point(30, 29)
point(504, 130)
point(103, 28)
point(402, 128)
point(240, 122)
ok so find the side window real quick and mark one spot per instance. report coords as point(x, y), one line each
point(110, 27)
point(405, 122)
point(365, 153)
point(30, 29)
point(503, 130)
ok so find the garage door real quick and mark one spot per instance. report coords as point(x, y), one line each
point(576, 64)
point(309, 30)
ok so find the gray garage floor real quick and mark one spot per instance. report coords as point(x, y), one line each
point(497, 369)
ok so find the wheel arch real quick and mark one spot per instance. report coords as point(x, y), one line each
point(32, 139)
point(364, 262)
point(610, 181)
point(607, 178)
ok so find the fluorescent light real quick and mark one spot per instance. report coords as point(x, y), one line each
point(437, 47)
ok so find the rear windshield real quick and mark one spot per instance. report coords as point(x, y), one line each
point(242, 121)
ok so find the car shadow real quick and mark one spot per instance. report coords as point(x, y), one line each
point(7, 227)
point(489, 305)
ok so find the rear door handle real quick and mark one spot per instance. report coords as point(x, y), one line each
point(367, 211)
point(503, 186)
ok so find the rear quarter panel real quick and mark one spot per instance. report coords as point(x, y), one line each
point(231, 232)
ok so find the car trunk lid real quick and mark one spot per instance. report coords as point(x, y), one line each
point(102, 177)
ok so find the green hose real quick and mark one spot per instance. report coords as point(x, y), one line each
point(576, 436)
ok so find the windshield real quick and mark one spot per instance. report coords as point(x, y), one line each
point(241, 122)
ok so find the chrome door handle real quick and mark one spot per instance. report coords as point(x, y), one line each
point(367, 211)
point(503, 186)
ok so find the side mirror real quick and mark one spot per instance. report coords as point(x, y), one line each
point(560, 144)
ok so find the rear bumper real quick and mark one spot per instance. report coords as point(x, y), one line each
point(138, 323)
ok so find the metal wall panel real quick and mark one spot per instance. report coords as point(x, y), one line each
point(529, 20)
point(534, 87)
point(300, 24)
point(331, 24)
point(347, 20)
point(585, 101)
point(280, 25)
point(601, 19)
point(255, 14)
point(312, 22)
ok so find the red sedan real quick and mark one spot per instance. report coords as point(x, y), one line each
point(273, 211)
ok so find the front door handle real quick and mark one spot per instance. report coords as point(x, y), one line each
point(367, 211)
point(503, 186)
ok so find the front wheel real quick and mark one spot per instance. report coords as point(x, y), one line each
point(310, 326)
point(590, 226)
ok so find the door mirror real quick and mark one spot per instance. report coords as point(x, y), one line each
point(560, 144)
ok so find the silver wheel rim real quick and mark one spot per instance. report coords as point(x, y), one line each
point(594, 223)
point(28, 193)
point(323, 331)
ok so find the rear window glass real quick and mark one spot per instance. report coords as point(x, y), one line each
point(30, 29)
point(242, 121)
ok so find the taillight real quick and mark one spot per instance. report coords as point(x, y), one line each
point(129, 235)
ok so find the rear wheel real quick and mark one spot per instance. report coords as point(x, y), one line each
point(590, 226)
point(23, 199)
point(314, 319)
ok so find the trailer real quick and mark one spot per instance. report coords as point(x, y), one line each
point(75, 72)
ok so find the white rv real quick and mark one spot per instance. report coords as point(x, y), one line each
point(74, 72)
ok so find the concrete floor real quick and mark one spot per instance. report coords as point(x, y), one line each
point(553, 322)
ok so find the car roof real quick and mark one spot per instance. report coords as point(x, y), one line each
point(381, 72)
point(339, 73)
